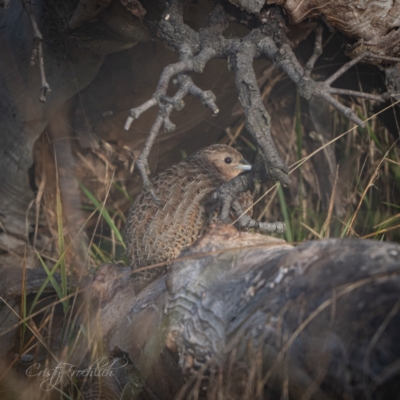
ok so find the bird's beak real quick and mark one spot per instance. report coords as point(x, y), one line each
point(245, 166)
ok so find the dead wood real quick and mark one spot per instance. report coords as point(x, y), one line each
point(374, 25)
point(246, 316)
point(267, 39)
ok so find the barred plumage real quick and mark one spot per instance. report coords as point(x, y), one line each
point(157, 234)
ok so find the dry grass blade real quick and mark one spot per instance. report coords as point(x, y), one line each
point(370, 183)
point(299, 163)
point(313, 231)
point(33, 329)
point(259, 199)
point(27, 348)
point(373, 234)
point(393, 162)
point(325, 226)
point(38, 201)
point(272, 197)
point(23, 297)
point(389, 220)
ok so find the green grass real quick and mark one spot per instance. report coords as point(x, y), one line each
point(367, 212)
point(105, 214)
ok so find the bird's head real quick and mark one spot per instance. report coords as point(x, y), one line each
point(226, 160)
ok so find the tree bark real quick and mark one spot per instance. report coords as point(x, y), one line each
point(246, 316)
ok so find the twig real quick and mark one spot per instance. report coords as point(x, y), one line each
point(188, 63)
point(267, 40)
point(317, 52)
point(346, 92)
point(135, 113)
point(245, 221)
point(37, 50)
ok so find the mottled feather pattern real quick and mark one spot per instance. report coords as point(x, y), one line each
point(157, 234)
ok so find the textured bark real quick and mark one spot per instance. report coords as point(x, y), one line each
point(267, 38)
point(393, 80)
point(249, 317)
point(373, 24)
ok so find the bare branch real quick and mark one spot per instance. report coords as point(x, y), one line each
point(381, 98)
point(37, 50)
point(142, 162)
point(257, 117)
point(135, 113)
point(317, 52)
point(344, 68)
point(188, 63)
point(228, 193)
point(193, 64)
point(186, 86)
point(195, 51)
point(197, 48)
point(206, 97)
point(323, 91)
point(244, 221)
point(286, 59)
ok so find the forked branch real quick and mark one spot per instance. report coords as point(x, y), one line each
point(267, 40)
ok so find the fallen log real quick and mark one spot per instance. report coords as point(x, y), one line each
point(247, 316)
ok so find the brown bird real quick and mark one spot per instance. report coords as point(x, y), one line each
point(158, 233)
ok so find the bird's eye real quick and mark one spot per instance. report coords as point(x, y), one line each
point(228, 160)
